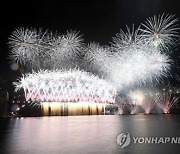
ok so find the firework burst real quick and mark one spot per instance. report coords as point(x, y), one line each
point(126, 40)
point(66, 86)
point(40, 50)
point(161, 31)
point(98, 58)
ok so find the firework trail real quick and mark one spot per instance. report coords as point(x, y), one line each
point(148, 102)
point(132, 106)
point(166, 98)
point(120, 103)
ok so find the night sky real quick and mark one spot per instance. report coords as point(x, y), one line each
point(97, 20)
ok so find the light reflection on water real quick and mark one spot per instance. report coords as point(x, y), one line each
point(85, 134)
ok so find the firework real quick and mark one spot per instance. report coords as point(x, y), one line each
point(66, 86)
point(132, 106)
point(137, 67)
point(97, 58)
point(133, 100)
point(134, 58)
point(130, 61)
point(125, 40)
point(166, 98)
point(40, 50)
point(161, 31)
point(24, 45)
point(137, 61)
point(121, 103)
point(148, 102)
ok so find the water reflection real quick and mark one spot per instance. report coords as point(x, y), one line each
point(85, 134)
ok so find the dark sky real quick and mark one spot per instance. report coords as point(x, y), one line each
point(97, 20)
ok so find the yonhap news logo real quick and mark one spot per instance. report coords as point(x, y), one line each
point(124, 139)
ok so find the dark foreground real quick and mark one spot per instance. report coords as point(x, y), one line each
point(87, 134)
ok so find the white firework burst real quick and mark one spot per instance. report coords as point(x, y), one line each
point(25, 45)
point(136, 61)
point(97, 57)
point(66, 86)
point(138, 67)
point(133, 67)
point(71, 43)
point(161, 30)
point(138, 64)
point(126, 39)
point(29, 45)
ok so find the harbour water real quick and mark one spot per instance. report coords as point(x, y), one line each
point(87, 134)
